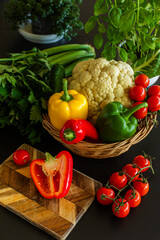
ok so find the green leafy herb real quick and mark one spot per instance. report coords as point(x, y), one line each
point(28, 79)
point(89, 26)
point(133, 31)
point(98, 40)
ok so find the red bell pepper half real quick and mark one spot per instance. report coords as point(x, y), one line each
point(75, 130)
point(53, 176)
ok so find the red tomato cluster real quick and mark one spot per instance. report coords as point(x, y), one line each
point(139, 93)
point(122, 180)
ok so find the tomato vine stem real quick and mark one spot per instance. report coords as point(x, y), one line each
point(107, 185)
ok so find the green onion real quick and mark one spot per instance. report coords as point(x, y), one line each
point(71, 57)
point(68, 47)
point(52, 57)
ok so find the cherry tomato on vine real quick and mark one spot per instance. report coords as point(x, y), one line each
point(118, 180)
point(137, 93)
point(142, 186)
point(133, 197)
point(141, 113)
point(141, 162)
point(131, 171)
point(142, 80)
point(153, 103)
point(21, 157)
point(121, 208)
point(105, 195)
point(154, 91)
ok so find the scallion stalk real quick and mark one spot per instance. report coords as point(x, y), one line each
point(71, 57)
point(52, 57)
point(68, 47)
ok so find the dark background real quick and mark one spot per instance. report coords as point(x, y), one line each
point(98, 222)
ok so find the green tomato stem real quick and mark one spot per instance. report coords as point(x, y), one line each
point(129, 183)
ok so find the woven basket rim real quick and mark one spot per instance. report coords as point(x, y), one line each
point(153, 116)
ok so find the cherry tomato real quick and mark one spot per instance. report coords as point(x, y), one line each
point(154, 91)
point(131, 170)
point(142, 80)
point(153, 103)
point(21, 157)
point(141, 113)
point(142, 186)
point(120, 208)
point(133, 197)
point(105, 195)
point(141, 162)
point(137, 93)
point(118, 180)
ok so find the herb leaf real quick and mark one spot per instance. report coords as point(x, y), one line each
point(148, 64)
point(100, 7)
point(98, 40)
point(109, 52)
point(114, 16)
point(123, 54)
point(35, 113)
point(127, 20)
point(90, 24)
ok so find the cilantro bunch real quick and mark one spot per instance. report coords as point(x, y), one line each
point(23, 94)
point(132, 28)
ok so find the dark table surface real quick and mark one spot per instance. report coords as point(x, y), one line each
point(98, 222)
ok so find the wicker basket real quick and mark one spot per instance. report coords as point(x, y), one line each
point(103, 150)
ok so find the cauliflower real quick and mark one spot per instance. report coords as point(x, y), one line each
point(102, 81)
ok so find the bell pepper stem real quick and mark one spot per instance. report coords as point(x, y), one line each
point(132, 110)
point(49, 157)
point(69, 134)
point(66, 97)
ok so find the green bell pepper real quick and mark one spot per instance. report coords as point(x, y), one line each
point(115, 123)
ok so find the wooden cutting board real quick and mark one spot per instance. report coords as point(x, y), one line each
point(57, 217)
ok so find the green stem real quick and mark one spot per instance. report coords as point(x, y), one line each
point(132, 110)
point(146, 63)
point(66, 97)
point(129, 183)
point(69, 134)
point(68, 47)
point(57, 56)
point(104, 196)
point(72, 56)
point(49, 157)
point(138, 24)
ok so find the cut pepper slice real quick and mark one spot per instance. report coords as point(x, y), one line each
point(53, 176)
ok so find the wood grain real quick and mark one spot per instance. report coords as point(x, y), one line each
point(57, 217)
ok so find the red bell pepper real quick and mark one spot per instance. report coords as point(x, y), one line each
point(53, 176)
point(75, 130)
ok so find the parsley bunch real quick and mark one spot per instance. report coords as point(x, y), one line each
point(23, 94)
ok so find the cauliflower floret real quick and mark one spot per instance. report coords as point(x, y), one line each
point(102, 81)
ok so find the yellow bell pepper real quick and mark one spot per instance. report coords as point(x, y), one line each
point(68, 104)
